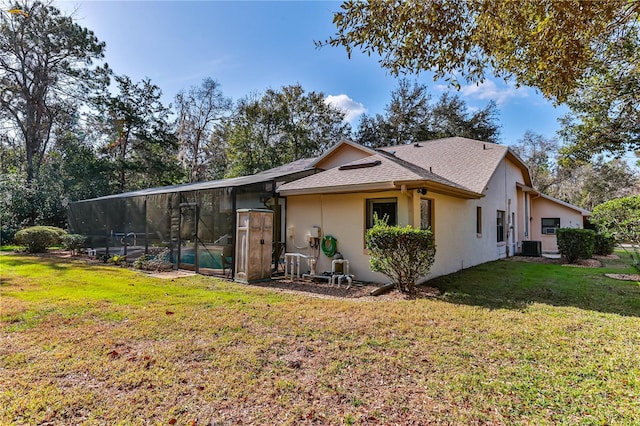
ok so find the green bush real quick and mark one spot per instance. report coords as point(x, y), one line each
point(575, 243)
point(36, 239)
point(403, 254)
point(604, 245)
point(157, 262)
point(118, 259)
point(73, 242)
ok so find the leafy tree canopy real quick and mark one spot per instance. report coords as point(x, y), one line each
point(583, 52)
point(45, 70)
point(279, 127)
point(411, 117)
point(546, 44)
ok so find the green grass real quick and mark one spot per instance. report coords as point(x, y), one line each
point(507, 343)
point(10, 248)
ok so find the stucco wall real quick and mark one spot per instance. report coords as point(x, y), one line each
point(544, 208)
point(458, 244)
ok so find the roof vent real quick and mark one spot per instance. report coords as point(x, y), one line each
point(417, 145)
point(360, 165)
point(392, 153)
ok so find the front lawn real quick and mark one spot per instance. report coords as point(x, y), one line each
point(507, 343)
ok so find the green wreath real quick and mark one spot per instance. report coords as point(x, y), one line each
point(329, 249)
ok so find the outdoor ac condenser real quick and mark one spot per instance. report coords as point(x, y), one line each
point(532, 248)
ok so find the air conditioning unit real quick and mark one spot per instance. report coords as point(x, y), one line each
point(549, 231)
point(532, 248)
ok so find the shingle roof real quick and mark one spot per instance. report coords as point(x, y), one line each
point(467, 162)
point(459, 163)
point(381, 170)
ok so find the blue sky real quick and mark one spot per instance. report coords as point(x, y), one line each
point(249, 46)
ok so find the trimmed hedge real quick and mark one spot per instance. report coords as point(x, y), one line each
point(604, 245)
point(36, 239)
point(73, 242)
point(575, 243)
point(403, 254)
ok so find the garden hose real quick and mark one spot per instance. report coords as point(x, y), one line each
point(329, 245)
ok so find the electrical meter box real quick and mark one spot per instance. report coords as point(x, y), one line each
point(254, 245)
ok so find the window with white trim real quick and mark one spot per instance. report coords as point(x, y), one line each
point(549, 225)
point(500, 225)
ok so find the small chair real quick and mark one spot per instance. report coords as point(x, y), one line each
point(226, 258)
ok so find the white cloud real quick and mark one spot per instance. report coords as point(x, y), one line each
point(489, 90)
point(351, 108)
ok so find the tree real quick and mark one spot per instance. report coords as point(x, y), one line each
point(279, 127)
point(539, 154)
point(45, 69)
point(547, 44)
point(138, 138)
point(407, 114)
point(410, 117)
point(450, 117)
point(604, 111)
point(620, 218)
point(200, 110)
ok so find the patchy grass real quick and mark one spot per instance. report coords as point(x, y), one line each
point(11, 248)
point(507, 343)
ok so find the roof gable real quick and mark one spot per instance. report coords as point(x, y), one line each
point(342, 153)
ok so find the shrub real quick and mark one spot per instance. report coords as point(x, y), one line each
point(604, 244)
point(157, 262)
point(118, 259)
point(575, 243)
point(403, 254)
point(36, 239)
point(7, 234)
point(73, 242)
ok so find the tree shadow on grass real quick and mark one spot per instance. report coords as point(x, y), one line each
point(510, 284)
point(47, 261)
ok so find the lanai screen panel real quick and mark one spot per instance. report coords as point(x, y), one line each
point(215, 227)
point(158, 220)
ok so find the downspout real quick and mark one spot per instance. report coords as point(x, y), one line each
point(404, 191)
point(409, 195)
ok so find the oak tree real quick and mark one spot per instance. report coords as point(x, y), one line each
point(46, 68)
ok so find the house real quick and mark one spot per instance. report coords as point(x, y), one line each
point(475, 196)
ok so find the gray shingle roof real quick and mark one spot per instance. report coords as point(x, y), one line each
point(459, 163)
point(466, 162)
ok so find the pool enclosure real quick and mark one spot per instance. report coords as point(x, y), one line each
point(194, 224)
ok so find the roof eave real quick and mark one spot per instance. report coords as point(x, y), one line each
point(339, 189)
point(439, 188)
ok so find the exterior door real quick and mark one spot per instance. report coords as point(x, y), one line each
point(187, 252)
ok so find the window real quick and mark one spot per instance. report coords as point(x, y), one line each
point(382, 207)
point(479, 220)
point(500, 224)
point(549, 225)
point(426, 214)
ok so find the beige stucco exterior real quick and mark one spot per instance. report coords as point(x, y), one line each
point(464, 179)
point(458, 244)
point(542, 207)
